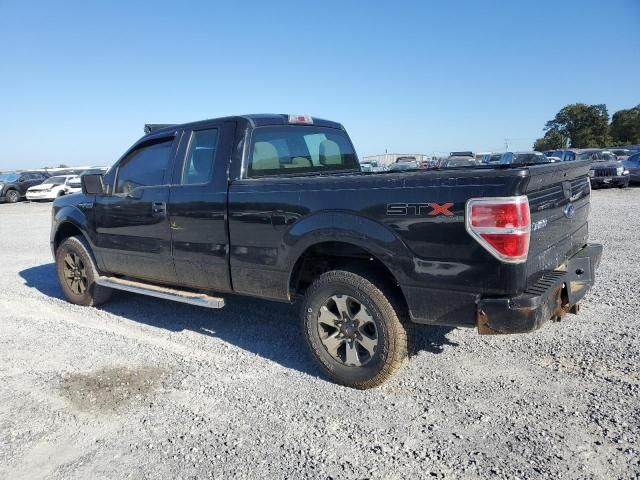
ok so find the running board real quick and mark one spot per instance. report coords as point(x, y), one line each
point(183, 296)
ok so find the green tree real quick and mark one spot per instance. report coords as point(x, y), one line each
point(625, 126)
point(552, 140)
point(584, 125)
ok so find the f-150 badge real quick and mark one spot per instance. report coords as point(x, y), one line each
point(417, 209)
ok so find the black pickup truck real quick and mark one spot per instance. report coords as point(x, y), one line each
point(275, 206)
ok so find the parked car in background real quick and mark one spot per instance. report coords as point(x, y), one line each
point(14, 185)
point(74, 185)
point(403, 166)
point(493, 158)
point(482, 157)
point(606, 170)
point(557, 154)
point(632, 165)
point(622, 153)
point(459, 162)
point(523, 158)
point(366, 166)
point(371, 166)
point(462, 154)
point(54, 187)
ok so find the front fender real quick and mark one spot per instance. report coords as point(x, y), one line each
point(70, 214)
point(339, 226)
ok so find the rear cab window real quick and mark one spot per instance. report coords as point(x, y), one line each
point(295, 149)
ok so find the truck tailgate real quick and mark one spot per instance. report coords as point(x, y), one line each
point(559, 201)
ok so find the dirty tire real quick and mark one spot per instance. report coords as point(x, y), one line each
point(12, 196)
point(384, 311)
point(74, 251)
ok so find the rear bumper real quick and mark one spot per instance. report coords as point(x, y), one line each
point(554, 294)
point(622, 180)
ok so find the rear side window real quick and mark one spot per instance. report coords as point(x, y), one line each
point(300, 149)
point(198, 164)
point(144, 167)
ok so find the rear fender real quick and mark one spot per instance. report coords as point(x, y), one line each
point(362, 232)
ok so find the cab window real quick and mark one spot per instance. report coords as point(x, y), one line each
point(287, 150)
point(198, 164)
point(144, 167)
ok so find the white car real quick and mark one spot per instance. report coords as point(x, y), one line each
point(55, 187)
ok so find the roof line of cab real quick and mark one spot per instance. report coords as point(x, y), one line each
point(254, 120)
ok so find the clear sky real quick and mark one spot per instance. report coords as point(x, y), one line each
point(79, 79)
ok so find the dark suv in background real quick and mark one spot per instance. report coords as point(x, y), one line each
point(14, 185)
point(606, 170)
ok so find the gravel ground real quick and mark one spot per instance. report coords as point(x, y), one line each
point(146, 388)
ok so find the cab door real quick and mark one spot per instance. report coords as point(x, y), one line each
point(133, 237)
point(198, 207)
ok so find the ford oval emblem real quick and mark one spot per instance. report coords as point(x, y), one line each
point(569, 211)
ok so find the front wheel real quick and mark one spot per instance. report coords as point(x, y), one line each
point(354, 329)
point(77, 274)
point(13, 196)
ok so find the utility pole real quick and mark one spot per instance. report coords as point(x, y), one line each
point(506, 144)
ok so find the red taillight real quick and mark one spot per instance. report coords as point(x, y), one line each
point(500, 215)
point(501, 225)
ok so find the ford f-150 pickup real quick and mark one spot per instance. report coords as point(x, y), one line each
point(275, 206)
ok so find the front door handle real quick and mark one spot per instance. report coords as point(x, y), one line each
point(159, 209)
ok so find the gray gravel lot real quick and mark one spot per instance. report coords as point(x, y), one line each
point(145, 388)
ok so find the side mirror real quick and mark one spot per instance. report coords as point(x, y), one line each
point(92, 184)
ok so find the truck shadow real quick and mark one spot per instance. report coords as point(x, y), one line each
point(268, 329)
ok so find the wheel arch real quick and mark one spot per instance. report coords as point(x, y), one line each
point(69, 221)
point(352, 236)
point(65, 230)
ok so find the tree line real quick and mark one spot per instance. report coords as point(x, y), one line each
point(582, 126)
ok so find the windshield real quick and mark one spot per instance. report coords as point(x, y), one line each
point(55, 180)
point(8, 177)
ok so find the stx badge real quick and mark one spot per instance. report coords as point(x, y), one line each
point(417, 209)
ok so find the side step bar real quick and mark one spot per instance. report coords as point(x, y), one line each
point(183, 296)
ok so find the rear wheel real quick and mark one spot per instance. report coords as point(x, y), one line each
point(354, 329)
point(13, 196)
point(77, 273)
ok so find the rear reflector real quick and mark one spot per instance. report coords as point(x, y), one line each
point(501, 225)
point(303, 119)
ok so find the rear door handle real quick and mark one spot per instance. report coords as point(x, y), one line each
point(159, 209)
